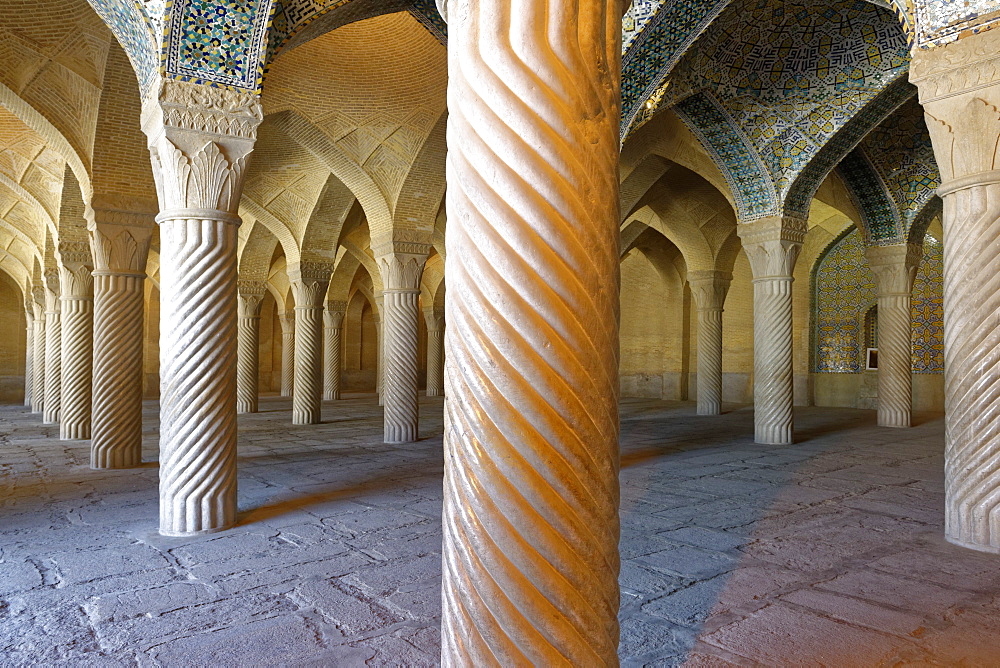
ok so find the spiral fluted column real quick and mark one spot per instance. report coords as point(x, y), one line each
point(38, 353)
point(53, 356)
point(333, 323)
point(435, 353)
point(709, 290)
point(77, 303)
point(120, 242)
point(29, 353)
point(380, 351)
point(959, 87)
point(401, 265)
point(895, 268)
point(287, 321)
point(249, 299)
point(199, 140)
point(531, 370)
point(772, 246)
point(310, 282)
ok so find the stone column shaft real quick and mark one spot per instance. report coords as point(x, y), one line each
point(333, 323)
point(402, 267)
point(38, 355)
point(959, 88)
point(251, 296)
point(709, 290)
point(29, 352)
point(199, 139)
point(53, 359)
point(895, 268)
point(77, 304)
point(287, 321)
point(435, 353)
point(531, 348)
point(119, 241)
point(116, 439)
point(310, 282)
point(772, 245)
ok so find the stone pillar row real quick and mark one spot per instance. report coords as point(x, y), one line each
point(401, 265)
point(531, 350)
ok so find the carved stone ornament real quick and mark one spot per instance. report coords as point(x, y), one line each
point(772, 244)
point(962, 66)
point(401, 264)
point(199, 140)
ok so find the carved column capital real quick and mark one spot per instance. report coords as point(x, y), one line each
point(401, 264)
point(434, 319)
point(199, 139)
point(958, 85)
point(333, 315)
point(77, 282)
point(772, 245)
point(52, 290)
point(119, 240)
point(250, 296)
point(895, 267)
point(709, 288)
point(310, 281)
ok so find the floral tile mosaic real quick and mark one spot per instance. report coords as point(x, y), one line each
point(844, 293)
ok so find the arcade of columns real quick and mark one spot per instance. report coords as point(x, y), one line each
point(529, 358)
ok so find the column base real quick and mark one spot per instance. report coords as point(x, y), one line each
point(115, 460)
point(303, 417)
point(331, 396)
point(895, 421)
point(769, 437)
point(991, 549)
point(397, 437)
point(188, 534)
point(243, 408)
point(709, 409)
point(74, 432)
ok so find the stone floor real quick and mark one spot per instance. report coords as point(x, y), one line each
point(828, 552)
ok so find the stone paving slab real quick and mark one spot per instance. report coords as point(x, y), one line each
point(828, 552)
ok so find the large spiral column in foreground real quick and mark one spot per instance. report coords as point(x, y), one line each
point(531, 372)
point(895, 268)
point(53, 350)
point(29, 352)
point(333, 323)
point(435, 352)
point(772, 246)
point(120, 242)
point(310, 282)
point(287, 321)
point(250, 297)
point(959, 87)
point(709, 290)
point(402, 265)
point(77, 343)
point(38, 353)
point(199, 139)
